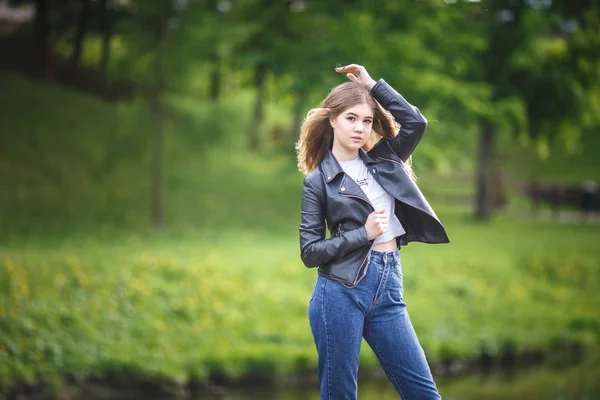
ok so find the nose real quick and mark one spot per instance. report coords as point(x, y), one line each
point(358, 126)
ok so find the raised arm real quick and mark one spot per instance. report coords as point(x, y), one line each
point(412, 122)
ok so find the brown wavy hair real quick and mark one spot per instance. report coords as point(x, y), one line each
point(316, 133)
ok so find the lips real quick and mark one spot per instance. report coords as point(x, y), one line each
point(356, 138)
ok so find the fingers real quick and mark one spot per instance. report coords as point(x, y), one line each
point(381, 220)
point(377, 224)
point(357, 73)
point(350, 68)
point(382, 226)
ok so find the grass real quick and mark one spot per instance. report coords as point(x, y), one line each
point(87, 288)
point(182, 305)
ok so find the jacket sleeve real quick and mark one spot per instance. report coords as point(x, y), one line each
point(316, 250)
point(412, 122)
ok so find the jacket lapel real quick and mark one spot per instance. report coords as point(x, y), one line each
point(349, 188)
point(330, 167)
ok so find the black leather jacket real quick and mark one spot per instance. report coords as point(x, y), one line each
point(330, 196)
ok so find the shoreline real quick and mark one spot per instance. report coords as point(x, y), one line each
point(129, 386)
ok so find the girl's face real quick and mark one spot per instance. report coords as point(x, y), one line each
point(352, 128)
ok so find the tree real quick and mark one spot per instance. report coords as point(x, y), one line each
point(42, 30)
point(270, 48)
point(532, 89)
point(157, 62)
point(108, 16)
point(81, 29)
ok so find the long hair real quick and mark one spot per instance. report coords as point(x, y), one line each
point(316, 133)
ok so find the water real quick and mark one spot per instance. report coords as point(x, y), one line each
point(547, 382)
point(552, 381)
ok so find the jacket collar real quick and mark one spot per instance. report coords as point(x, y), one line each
point(331, 167)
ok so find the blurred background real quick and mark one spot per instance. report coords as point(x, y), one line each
point(150, 199)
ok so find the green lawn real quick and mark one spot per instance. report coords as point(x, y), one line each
point(232, 296)
point(86, 287)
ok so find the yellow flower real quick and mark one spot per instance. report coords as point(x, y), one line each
point(60, 280)
point(8, 264)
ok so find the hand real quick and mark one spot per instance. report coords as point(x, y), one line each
point(357, 73)
point(377, 224)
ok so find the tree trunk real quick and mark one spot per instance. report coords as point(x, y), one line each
point(82, 27)
point(106, 29)
point(158, 219)
point(215, 75)
point(483, 199)
point(158, 159)
point(298, 115)
point(42, 35)
point(257, 119)
point(215, 80)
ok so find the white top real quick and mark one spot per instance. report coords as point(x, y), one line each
point(378, 197)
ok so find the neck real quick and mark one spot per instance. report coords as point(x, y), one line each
point(341, 154)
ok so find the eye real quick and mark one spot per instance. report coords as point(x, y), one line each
point(368, 121)
point(351, 119)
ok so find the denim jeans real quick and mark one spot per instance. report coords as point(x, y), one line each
point(340, 317)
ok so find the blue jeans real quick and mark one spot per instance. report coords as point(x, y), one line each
point(340, 317)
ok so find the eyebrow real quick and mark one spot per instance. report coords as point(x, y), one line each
point(356, 115)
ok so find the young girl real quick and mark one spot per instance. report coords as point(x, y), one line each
point(360, 185)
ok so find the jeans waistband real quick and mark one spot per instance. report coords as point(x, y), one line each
point(384, 257)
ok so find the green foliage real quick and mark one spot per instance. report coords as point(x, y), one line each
point(562, 162)
point(200, 300)
point(86, 287)
point(88, 159)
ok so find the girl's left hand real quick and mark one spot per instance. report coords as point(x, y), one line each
point(357, 73)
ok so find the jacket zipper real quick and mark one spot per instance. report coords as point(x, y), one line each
point(389, 159)
point(356, 278)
